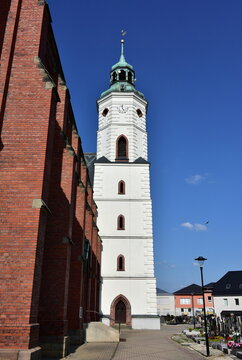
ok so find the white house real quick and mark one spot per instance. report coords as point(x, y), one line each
point(165, 303)
point(122, 194)
point(227, 294)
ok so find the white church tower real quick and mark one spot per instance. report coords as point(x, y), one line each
point(122, 194)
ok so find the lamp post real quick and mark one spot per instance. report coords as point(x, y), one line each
point(193, 312)
point(201, 260)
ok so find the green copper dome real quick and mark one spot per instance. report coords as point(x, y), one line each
point(122, 76)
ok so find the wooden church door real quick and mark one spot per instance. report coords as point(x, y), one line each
point(120, 312)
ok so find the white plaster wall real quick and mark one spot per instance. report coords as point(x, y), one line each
point(139, 292)
point(151, 323)
point(219, 305)
point(107, 177)
point(166, 304)
point(137, 261)
point(137, 283)
point(112, 248)
point(135, 205)
point(136, 213)
point(116, 123)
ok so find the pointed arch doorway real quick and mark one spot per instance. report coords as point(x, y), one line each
point(120, 311)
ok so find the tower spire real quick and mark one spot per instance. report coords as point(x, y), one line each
point(122, 58)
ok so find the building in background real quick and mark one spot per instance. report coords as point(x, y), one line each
point(50, 248)
point(189, 301)
point(122, 193)
point(165, 303)
point(227, 293)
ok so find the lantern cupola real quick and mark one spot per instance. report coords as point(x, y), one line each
point(122, 76)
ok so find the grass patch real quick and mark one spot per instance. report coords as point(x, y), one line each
point(182, 339)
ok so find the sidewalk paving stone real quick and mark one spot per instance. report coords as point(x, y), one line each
point(94, 351)
point(146, 345)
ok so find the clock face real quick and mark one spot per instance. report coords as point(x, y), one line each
point(122, 108)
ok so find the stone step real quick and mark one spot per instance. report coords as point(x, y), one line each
point(122, 326)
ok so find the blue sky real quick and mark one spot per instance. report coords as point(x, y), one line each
point(188, 61)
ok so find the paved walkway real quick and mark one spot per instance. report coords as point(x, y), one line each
point(142, 345)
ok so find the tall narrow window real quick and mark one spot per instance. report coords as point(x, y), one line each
point(122, 148)
point(121, 187)
point(121, 222)
point(129, 76)
point(120, 263)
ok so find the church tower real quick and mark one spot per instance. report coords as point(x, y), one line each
point(122, 194)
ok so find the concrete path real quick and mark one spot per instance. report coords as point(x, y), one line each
point(153, 345)
point(141, 345)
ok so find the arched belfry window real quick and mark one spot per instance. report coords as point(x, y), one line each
point(122, 148)
point(122, 75)
point(121, 223)
point(114, 76)
point(121, 187)
point(120, 263)
point(130, 76)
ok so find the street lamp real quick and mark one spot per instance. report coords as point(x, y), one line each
point(193, 313)
point(201, 260)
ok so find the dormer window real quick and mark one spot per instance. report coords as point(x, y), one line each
point(228, 286)
point(139, 113)
point(105, 112)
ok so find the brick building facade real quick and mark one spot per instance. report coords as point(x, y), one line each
point(49, 245)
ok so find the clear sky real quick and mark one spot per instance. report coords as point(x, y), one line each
point(187, 55)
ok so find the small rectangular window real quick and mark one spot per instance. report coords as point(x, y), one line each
point(185, 301)
point(200, 301)
point(236, 301)
point(209, 298)
point(225, 302)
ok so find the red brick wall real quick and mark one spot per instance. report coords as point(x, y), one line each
point(22, 167)
point(42, 248)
